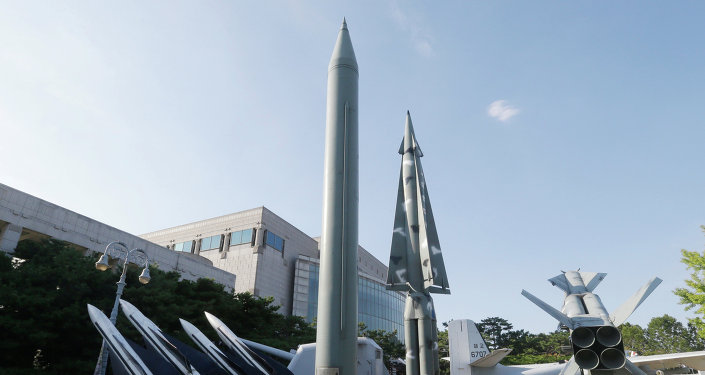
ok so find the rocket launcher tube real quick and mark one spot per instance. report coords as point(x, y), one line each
point(582, 337)
point(608, 336)
point(587, 359)
point(612, 358)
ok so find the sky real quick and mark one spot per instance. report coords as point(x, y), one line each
point(556, 135)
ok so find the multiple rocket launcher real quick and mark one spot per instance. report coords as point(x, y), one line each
point(595, 339)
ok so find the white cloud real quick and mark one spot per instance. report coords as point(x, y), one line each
point(414, 25)
point(501, 110)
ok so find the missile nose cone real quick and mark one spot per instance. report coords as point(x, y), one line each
point(409, 141)
point(343, 52)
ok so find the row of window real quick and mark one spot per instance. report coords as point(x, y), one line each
point(236, 238)
point(212, 242)
point(186, 246)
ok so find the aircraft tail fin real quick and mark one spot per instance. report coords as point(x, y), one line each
point(468, 349)
point(623, 312)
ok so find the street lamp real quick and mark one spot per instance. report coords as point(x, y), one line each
point(116, 249)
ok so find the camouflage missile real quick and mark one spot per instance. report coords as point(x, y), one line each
point(120, 349)
point(155, 338)
point(596, 341)
point(416, 262)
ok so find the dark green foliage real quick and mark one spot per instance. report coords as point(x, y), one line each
point(693, 296)
point(44, 324)
point(663, 335)
point(388, 341)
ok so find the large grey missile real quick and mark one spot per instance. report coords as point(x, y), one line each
point(236, 345)
point(336, 336)
point(153, 335)
point(596, 341)
point(210, 349)
point(120, 349)
point(415, 261)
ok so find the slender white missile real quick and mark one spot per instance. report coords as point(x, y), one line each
point(236, 345)
point(119, 347)
point(153, 335)
point(336, 336)
point(210, 349)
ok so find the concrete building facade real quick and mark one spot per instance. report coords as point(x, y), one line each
point(252, 251)
point(23, 216)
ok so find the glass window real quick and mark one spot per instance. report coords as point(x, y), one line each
point(274, 241)
point(236, 238)
point(183, 246)
point(246, 236)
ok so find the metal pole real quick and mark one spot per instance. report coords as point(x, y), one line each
point(102, 364)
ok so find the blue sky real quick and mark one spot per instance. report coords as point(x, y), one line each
point(556, 135)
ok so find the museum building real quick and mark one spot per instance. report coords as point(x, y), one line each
point(252, 251)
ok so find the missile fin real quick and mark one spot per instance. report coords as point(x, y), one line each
point(564, 319)
point(236, 345)
point(592, 279)
point(117, 343)
point(623, 312)
point(633, 369)
point(397, 275)
point(571, 368)
point(560, 282)
point(432, 265)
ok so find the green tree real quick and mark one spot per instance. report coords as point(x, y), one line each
point(392, 348)
point(693, 295)
point(44, 323)
point(634, 338)
point(496, 331)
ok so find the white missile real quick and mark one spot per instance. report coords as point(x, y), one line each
point(210, 349)
point(336, 335)
point(120, 349)
point(153, 335)
point(236, 345)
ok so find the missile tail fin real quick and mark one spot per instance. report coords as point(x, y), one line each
point(623, 312)
point(397, 275)
point(433, 267)
point(592, 279)
point(564, 319)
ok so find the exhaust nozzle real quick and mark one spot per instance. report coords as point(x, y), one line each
point(608, 336)
point(587, 359)
point(582, 337)
point(613, 359)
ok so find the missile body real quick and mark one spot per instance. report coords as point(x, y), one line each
point(121, 350)
point(415, 262)
point(237, 346)
point(154, 337)
point(336, 336)
point(215, 354)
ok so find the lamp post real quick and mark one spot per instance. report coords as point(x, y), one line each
point(115, 249)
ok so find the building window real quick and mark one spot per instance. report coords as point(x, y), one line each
point(241, 237)
point(210, 243)
point(274, 241)
point(184, 246)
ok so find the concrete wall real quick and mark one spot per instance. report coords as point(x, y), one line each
point(25, 216)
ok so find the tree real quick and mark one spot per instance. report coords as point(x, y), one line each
point(634, 338)
point(693, 296)
point(496, 331)
point(392, 348)
point(43, 302)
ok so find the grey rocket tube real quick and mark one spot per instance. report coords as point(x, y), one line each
point(336, 337)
